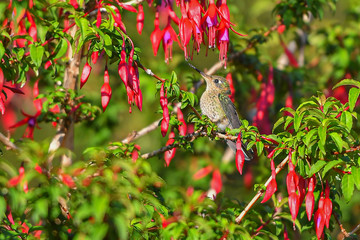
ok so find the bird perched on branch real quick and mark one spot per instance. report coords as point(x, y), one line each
point(218, 107)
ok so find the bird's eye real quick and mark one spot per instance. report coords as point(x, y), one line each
point(216, 80)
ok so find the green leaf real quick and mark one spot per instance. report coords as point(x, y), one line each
point(355, 171)
point(353, 97)
point(347, 185)
point(36, 54)
point(316, 167)
point(2, 207)
point(346, 118)
point(347, 82)
point(297, 120)
point(338, 140)
point(322, 137)
point(309, 136)
point(330, 165)
point(61, 48)
point(2, 50)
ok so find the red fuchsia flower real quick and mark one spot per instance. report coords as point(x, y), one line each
point(210, 18)
point(186, 29)
point(203, 172)
point(123, 68)
point(32, 28)
point(195, 14)
point(261, 119)
point(301, 188)
point(127, 7)
point(163, 104)
point(292, 60)
point(169, 154)
point(30, 120)
point(231, 84)
point(223, 31)
point(320, 218)
point(140, 19)
point(310, 199)
point(272, 187)
point(239, 157)
point(85, 74)
point(105, 90)
point(182, 127)
point(327, 205)
point(135, 153)
point(156, 35)
point(67, 179)
point(216, 182)
point(2, 104)
point(167, 40)
point(17, 180)
point(292, 182)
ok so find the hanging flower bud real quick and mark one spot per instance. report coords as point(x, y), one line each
point(294, 205)
point(327, 205)
point(310, 199)
point(240, 156)
point(292, 60)
point(48, 64)
point(123, 68)
point(118, 22)
point(140, 19)
point(272, 187)
point(169, 154)
point(292, 180)
point(74, 3)
point(95, 56)
point(182, 127)
point(320, 218)
point(301, 188)
point(98, 16)
point(85, 74)
point(105, 90)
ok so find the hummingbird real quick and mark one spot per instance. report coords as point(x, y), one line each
point(216, 104)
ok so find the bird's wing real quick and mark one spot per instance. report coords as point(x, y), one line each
point(230, 110)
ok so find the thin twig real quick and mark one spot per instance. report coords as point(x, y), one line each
point(260, 192)
point(190, 137)
point(7, 142)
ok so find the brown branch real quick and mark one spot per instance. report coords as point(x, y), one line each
point(137, 134)
point(346, 234)
point(357, 228)
point(7, 142)
point(260, 192)
point(65, 134)
point(352, 149)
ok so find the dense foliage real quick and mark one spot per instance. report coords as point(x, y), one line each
point(122, 150)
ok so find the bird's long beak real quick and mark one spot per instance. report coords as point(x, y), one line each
point(201, 72)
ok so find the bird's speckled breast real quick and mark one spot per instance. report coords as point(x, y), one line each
point(211, 107)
